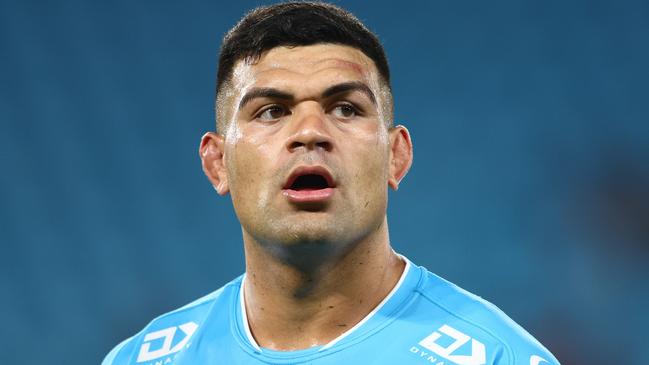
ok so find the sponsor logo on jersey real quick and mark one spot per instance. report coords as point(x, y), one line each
point(169, 346)
point(429, 348)
point(536, 360)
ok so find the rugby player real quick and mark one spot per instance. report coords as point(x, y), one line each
point(306, 147)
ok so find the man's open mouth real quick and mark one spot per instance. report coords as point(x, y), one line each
point(309, 184)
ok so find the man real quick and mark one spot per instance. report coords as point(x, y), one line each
point(307, 150)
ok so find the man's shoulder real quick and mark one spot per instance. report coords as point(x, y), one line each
point(181, 323)
point(467, 317)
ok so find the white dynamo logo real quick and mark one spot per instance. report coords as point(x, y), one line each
point(536, 360)
point(168, 335)
point(477, 356)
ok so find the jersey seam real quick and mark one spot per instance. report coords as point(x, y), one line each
point(510, 352)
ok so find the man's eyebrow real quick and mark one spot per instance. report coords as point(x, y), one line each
point(350, 86)
point(264, 92)
point(268, 92)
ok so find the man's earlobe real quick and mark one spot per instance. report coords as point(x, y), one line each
point(400, 155)
point(211, 152)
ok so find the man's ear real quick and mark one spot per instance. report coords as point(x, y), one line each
point(400, 155)
point(211, 152)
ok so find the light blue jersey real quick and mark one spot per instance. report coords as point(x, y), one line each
point(424, 320)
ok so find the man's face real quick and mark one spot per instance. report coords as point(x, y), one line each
point(307, 152)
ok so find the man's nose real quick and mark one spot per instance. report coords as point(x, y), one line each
point(310, 129)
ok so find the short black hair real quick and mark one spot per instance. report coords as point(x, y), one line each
point(295, 24)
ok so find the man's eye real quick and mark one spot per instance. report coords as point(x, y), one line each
point(344, 111)
point(272, 113)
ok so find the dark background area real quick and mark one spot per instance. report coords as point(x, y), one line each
point(530, 186)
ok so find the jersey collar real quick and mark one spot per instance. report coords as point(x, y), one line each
point(378, 318)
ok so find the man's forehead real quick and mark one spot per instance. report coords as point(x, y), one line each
point(319, 55)
point(303, 72)
point(304, 62)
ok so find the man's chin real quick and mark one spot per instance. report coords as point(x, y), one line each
point(306, 252)
point(308, 237)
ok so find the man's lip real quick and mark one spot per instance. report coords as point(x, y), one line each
point(309, 195)
point(310, 170)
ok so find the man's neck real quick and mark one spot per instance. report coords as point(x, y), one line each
point(290, 309)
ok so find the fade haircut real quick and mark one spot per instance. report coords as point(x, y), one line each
point(296, 24)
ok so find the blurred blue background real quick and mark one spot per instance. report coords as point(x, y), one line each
point(530, 185)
